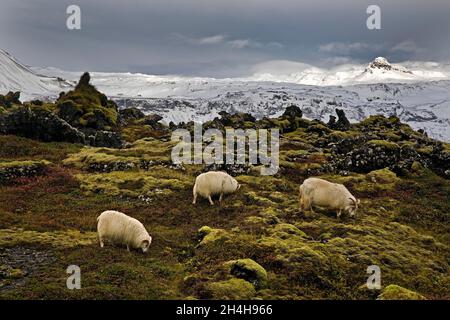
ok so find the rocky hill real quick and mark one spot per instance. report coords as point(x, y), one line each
point(416, 92)
point(257, 245)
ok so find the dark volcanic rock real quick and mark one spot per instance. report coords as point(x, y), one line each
point(39, 124)
point(107, 139)
point(26, 169)
point(231, 169)
point(129, 114)
point(235, 120)
point(69, 112)
point(373, 155)
point(9, 99)
point(292, 112)
point(152, 120)
point(341, 124)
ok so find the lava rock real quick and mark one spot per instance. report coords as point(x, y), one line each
point(39, 124)
point(341, 124)
point(292, 112)
point(232, 169)
point(108, 139)
point(9, 99)
point(130, 114)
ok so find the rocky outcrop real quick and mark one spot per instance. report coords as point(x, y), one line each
point(130, 114)
point(9, 99)
point(292, 112)
point(86, 107)
point(232, 169)
point(39, 124)
point(373, 155)
point(108, 139)
point(341, 124)
point(21, 169)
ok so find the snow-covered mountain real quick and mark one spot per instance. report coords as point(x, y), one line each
point(417, 92)
point(378, 71)
point(14, 76)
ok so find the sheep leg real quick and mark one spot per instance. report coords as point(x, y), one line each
point(339, 213)
point(128, 248)
point(221, 198)
point(210, 200)
point(102, 244)
point(195, 198)
point(309, 204)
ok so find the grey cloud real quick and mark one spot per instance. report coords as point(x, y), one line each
point(221, 37)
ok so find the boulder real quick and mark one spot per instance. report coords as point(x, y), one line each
point(108, 139)
point(152, 120)
point(341, 124)
point(130, 114)
point(39, 124)
point(395, 292)
point(373, 155)
point(10, 99)
point(248, 270)
point(292, 112)
point(232, 289)
point(21, 169)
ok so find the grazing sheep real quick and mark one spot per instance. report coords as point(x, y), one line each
point(119, 228)
point(325, 194)
point(212, 183)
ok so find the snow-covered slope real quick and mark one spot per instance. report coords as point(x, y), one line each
point(417, 92)
point(378, 71)
point(14, 76)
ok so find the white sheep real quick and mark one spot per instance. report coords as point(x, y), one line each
point(212, 183)
point(117, 227)
point(321, 193)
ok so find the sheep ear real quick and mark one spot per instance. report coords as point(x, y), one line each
point(358, 201)
point(354, 201)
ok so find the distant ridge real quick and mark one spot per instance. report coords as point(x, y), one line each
point(15, 76)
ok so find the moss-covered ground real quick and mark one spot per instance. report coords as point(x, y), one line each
point(402, 226)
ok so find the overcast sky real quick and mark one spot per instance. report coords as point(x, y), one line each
point(220, 37)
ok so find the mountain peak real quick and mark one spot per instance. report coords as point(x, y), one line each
point(381, 63)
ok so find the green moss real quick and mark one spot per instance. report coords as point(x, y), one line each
point(132, 184)
point(417, 168)
point(233, 289)
point(249, 270)
point(425, 150)
point(62, 239)
point(395, 292)
point(304, 256)
point(142, 154)
point(19, 149)
point(383, 176)
point(16, 274)
point(22, 164)
point(339, 135)
point(254, 198)
point(286, 231)
point(209, 235)
point(384, 144)
point(11, 170)
point(86, 107)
